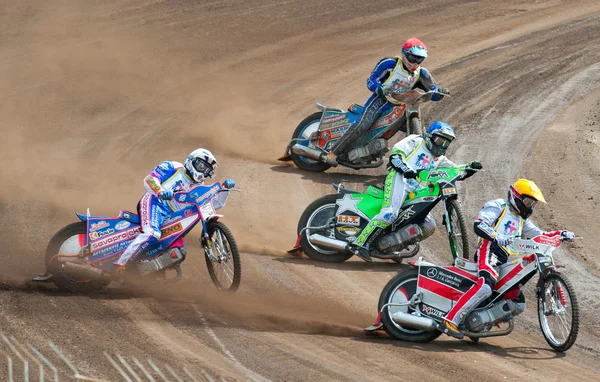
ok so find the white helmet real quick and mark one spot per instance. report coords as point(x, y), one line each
point(200, 164)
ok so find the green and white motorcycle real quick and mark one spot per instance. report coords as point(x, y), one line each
point(331, 223)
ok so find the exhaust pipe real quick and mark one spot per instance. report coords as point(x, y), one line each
point(82, 270)
point(415, 322)
point(328, 242)
point(307, 152)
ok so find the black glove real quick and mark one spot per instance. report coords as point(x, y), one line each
point(380, 91)
point(475, 165)
point(471, 169)
point(410, 174)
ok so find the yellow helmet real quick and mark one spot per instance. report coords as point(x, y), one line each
point(523, 196)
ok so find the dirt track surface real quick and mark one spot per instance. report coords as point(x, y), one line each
point(94, 94)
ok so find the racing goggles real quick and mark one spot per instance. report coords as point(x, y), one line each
point(202, 167)
point(440, 141)
point(529, 202)
point(414, 59)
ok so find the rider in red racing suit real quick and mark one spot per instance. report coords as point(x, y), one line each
point(498, 221)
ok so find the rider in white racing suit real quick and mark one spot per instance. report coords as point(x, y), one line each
point(167, 178)
point(408, 156)
point(391, 75)
point(497, 223)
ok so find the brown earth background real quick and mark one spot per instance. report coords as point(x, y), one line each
point(94, 94)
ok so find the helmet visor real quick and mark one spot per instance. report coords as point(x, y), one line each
point(413, 59)
point(529, 202)
point(202, 167)
point(440, 141)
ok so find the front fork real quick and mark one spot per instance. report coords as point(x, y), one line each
point(448, 223)
point(207, 243)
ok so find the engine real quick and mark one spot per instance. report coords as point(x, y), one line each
point(400, 239)
point(169, 258)
point(374, 148)
point(501, 311)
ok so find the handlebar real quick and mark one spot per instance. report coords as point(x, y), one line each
point(415, 97)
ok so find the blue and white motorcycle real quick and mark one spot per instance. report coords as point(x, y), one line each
point(79, 257)
point(317, 134)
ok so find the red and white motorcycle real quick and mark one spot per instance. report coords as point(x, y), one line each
point(413, 302)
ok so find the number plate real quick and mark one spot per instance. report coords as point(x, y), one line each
point(449, 191)
point(207, 210)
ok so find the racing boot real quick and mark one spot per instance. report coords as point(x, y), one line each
point(450, 329)
point(362, 252)
point(330, 158)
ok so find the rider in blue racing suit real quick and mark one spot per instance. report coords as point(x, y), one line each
point(167, 178)
point(392, 75)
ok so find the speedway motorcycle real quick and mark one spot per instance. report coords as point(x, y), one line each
point(79, 257)
point(414, 301)
point(331, 223)
point(317, 134)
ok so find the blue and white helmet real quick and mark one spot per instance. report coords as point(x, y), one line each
point(200, 164)
point(438, 138)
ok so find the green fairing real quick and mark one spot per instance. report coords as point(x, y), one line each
point(372, 200)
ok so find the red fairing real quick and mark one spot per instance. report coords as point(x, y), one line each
point(549, 238)
point(439, 288)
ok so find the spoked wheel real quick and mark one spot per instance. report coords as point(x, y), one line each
point(318, 214)
point(305, 129)
point(558, 312)
point(459, 240)
point(399, 290)
point(68, 242)
point(225, 269)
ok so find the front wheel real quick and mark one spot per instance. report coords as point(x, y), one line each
point(399, 290)
point(320, 213)
point(457, 235)
point(225, 269)
point(301, 136)
point(558, 312)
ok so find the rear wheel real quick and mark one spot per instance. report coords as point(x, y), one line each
point(303, 132)
point(320, 213)
point(225, 269)
point(458, 237)
point(68, 242)
point(398, 290)
point(558, 312)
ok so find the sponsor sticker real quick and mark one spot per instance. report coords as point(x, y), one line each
point(207, 210)
point(117, 238)
point(432, 311)
point(122, 225)
point(181, 197)
point(348, 220)
point(405, 215)
point(349, 230)
point(99, 225)
point(98, 234)
point(529, 247)
point(449, 191)
point(168, 231)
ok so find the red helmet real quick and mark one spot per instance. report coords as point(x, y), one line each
point(414, 52)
